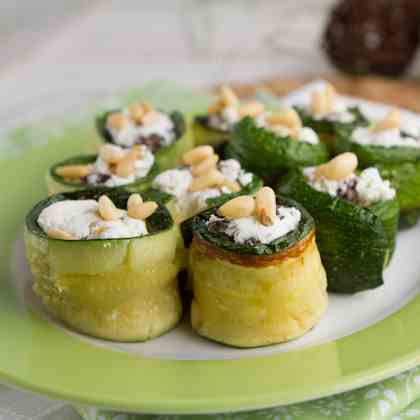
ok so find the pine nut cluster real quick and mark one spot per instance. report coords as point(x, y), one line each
point(286, 118)
point(107, 210)
point(228, 98)
point(203, 163)
point(323, 102)
point(138, 114)
point(392, 120)
point(263, 207)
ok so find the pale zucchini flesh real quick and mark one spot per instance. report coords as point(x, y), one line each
point(246, 306)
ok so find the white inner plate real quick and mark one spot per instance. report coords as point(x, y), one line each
point(346, 314)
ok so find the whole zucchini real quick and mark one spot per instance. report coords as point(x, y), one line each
point(355, 242)
point(255, 294)
point(57, 184)
point(117, 289)
point(263, 152)
point(167, 156)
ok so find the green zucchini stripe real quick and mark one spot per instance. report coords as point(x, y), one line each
point(159, 221)
point(197, 225)
point(204, 134)
point(331, 127)
point(266, 154)
point(355, 243)
point(138, 184)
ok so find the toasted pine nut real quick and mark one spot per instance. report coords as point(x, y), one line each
point(197, 155)
point(60, 234)
point(133, 204)
point(73, 171)
point(212, 178)
point(318, 104)
point(107, 209)
point(111, 154)
point(116, 121)
point(330, 98)
point(251, 109)
point(228, 96)
point(392, 120)
point(126, 167)
point(144, 211)
point(136, 112)
point(238, 207)
point(339, 167)
point(205, 165)
point(215, 107)
point(150, 117)
point(265, 202)
point(232, 185)
point(287, 117)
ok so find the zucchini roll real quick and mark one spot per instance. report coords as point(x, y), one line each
point(393, 146)
point(256, 271)
point(216, 127)
point(113, 167)
point(165, 134)
point(202, 182)
point(106, 265)
point(356, 218)
point(275, 142)
point(329, 117)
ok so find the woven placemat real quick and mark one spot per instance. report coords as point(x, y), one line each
point(403, 93)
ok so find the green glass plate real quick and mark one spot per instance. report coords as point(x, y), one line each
point(362, 339)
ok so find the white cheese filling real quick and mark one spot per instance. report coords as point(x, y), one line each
point(247, 229)
point(366, 188)
point(225, 119)
point(386, 138)
point(80, 219)
point(341, 114)
point(162, 127)
point(177, 181)
point(306, 134)
point(142, 167)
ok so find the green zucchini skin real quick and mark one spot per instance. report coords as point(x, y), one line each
point(204, 134)
point(372, 155)
point(355, 243)
point(166, 157)
point(266, 154)
point(57, 184)
point(121, 289)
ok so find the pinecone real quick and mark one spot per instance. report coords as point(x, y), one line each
point(373, 36)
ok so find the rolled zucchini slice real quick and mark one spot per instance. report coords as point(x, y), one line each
point(167, 156)
point(355, 242)
point(399, 164)
point(205, 134)
point(116, 289)
point(58, 184)
point(329, 131)
point(249, 295)
point(266, 154)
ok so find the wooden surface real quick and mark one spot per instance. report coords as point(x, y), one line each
point(403, 93)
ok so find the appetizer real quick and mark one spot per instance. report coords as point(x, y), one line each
point(106, 265)
point(256, 271)
point(216, 127)
point(274, 142)
point(203, 181)
point(328, 116)
point(393, 147)
point(165, 134)
point(356, 216)
point(113, 167)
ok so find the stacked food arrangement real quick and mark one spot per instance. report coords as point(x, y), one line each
point(262, 209)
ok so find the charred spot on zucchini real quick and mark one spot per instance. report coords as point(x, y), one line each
point(266, 153)
point(121, 289)
point(355, 242)
point(57, 183)
point(284, 294)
